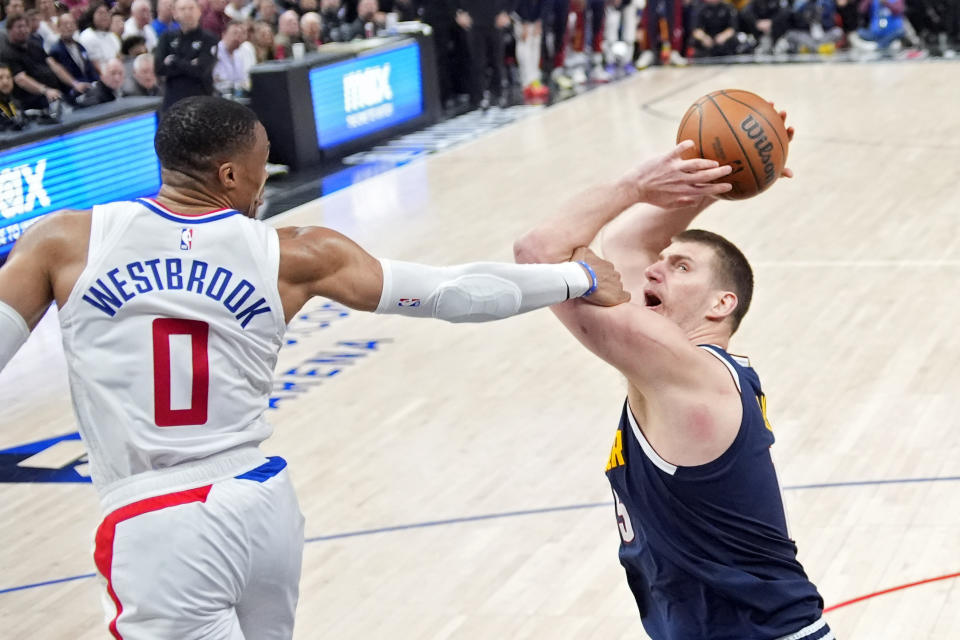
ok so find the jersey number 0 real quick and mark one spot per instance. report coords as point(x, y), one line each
point(164, 414)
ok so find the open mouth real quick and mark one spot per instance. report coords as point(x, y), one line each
point(651, 300)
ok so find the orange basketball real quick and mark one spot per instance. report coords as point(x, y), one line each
point(741, 129)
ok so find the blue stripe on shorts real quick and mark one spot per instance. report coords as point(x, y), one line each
point(270, 468)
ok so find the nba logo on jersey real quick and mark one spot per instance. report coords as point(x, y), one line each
point(409, 302)
point(186, 239)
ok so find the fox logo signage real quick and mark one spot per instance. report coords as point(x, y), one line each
point(21, 188)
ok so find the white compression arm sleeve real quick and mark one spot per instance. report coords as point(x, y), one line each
point(479, 291)
point(13, 333)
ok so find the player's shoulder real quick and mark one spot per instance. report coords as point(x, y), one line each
point(56, 236)
point(67, 225)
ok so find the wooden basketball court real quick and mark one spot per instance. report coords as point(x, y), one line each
point(452, 476)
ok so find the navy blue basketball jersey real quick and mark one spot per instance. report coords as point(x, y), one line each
point(706, 548)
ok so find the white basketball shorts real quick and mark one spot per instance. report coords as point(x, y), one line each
point(217, 562)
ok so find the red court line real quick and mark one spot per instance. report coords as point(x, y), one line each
point(891, 589)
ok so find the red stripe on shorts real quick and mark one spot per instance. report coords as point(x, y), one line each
point(103, 554)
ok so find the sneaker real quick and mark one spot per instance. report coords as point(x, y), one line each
point(765, 47)
point(599, 74)
point(579, 76)
point(676, 59)
point(562, 80)
point(645, 60)
point(539, 89)
point(859, 43)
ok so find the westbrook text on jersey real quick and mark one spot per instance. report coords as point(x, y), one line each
point(175, 274)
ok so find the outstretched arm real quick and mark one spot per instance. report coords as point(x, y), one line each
point(646, 347)
point(315, 261)
point(668, 182)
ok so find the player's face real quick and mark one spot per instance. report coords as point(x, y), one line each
point(681, 284)
point(251, 172)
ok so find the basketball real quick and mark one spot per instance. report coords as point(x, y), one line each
point(741, 129)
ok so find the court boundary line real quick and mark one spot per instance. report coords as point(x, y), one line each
point(561, 508)
point(901, 587)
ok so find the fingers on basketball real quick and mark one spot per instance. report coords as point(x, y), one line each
point(740, 129)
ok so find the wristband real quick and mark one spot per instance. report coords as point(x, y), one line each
point(593, 278)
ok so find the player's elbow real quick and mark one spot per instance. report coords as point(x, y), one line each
point(528, 249)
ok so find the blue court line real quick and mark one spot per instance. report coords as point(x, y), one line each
point(438, 523)
point(43, 584)
point(523, 512)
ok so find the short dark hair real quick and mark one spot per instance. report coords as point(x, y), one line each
point(128, 43)
point(11, 21)
point(733, 270)
point(197, 133)
point(4, 65)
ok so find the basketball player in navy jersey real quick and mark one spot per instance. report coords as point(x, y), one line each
point(703, 534)
point(172, 311)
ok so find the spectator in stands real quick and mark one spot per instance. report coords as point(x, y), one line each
point(767, 22)
point(142, 81)
point(231, 75)
point(185, 57)
point(72, 56)
point(288, 33)
point(123, 7)
point(483, 21)
point(47, 29)
point(164, 19)
point(450, 45)
point(311, 28)
point(11, 9)
point(101, 44)
point(849, 12)
point(813, 27)
point(78, 9)
point(713, 29)
point(131, 47)
point(259, 46)
point(214, 20)
point(107, 88)
point(306, 6)
point(620, 25)
point(140, 23)
point(369, 20)
point(267, 12)
point(937, 23)
point(36, 83)
point(662, 18)
point(885, 25)
point(528, 36)
point(406, 10)
point(239, 10)
point(44, 63)
point(117, 23)
point(331, 14)
point(11, 113)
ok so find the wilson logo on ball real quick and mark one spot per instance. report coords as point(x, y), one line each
point(754, 130)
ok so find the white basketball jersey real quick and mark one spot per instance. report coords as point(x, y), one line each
point(171, 336)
